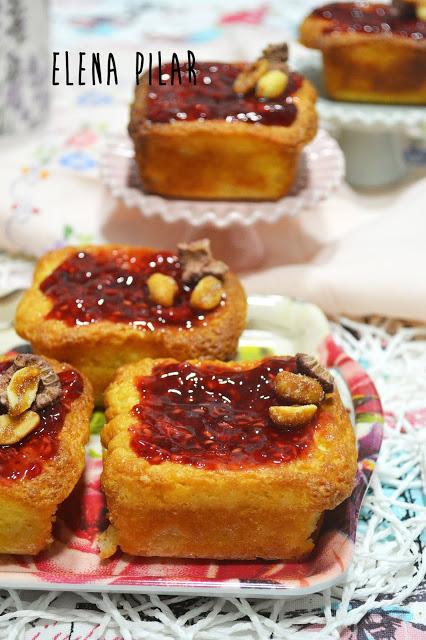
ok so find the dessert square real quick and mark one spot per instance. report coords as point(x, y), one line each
point(372, 52)
point(45, 408)
point(223, 460)
point(236, 134)
point(99, 307)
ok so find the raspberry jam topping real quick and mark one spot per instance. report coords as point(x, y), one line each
point(211, 416)
point(213, 97)
point(111, 285)
point(362, 17)
point(25, 459)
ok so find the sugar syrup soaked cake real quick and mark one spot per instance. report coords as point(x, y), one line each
point(45, 407)
point(237, 134)
point(101, 307)
point(224, 460)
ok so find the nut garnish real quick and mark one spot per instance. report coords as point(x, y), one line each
point(14, 429)
point(421, 12)
point(197, 261)
point(298, 389)
point(49, 387)
point(274, 58)
point(162, 289)
point(311, 367)
point(292, 416)
point(207, 294)
point(277, 56)
point(249, 76)
point(22, 390)
point(271, 84)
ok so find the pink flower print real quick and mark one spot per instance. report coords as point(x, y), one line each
point(82, 138)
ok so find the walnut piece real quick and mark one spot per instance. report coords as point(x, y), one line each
point(14, 428)
point(311, 367)
point(207, 294)
point(197, 261)
point(298, 389)
point(49, 387)
point(162, 289)
point(292, 416)
point(277, 56)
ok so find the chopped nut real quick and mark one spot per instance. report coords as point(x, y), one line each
point(298, 389)
point(421, 12)
point(311, 367)
point(162, 289)
point(14, 429)
point(292, 416)
point(274, 58)
point(197, 261)
point(277, 56)
point(49, 388)
point(247, 79)
point(207, 294)
point(272, 84)
point(405, 8)
point(22, 390)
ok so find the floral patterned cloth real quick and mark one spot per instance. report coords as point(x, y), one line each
point(329, 254)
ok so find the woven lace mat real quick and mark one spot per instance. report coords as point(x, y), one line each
point(384, 596)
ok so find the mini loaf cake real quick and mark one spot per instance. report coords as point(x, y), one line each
point(372, 52)
point(223, 460)
point(237, 134)
point(101, 307)
point(45, 408)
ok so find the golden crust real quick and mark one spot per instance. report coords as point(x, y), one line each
point(100, 348)
point(171, 509)
point(368, 67)
point(216, 159)
point(28, 506)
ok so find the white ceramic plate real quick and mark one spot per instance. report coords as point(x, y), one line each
point(321, 170)
point(277, 325)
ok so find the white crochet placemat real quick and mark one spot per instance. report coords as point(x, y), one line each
point(384, 596)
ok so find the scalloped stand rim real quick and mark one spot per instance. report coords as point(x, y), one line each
point(321, 170)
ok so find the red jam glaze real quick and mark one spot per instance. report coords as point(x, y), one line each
point(25, 459)
point(211, 417)
point(214, 98)
point(362, 17)
point(111, 285)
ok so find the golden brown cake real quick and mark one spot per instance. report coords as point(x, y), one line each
point(372, 52)
point(223, 460)
point(45, 408)
point(236, 134)
point(101, 307)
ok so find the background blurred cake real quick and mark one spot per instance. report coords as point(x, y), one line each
point(372, 52)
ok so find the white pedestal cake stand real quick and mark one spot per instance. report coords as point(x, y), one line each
point(372, 136)
point(320, 172)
